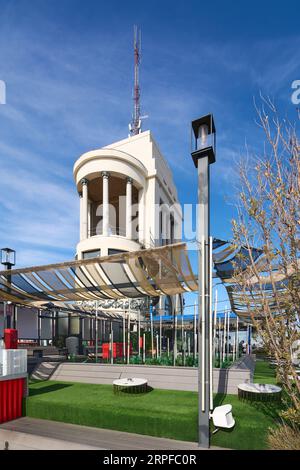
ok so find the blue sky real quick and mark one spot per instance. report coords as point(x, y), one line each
point(67, 65)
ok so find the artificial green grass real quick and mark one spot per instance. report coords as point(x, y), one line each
point(252, 421)
point(263, 373)
point(160, 413)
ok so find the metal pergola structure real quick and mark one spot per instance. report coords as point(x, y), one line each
point(159, 271)
point(166, 270)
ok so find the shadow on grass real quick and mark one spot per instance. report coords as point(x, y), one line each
point(219, 399)
point(220, 431)
point(269, 409)
point(130, 392)
point(48, 389)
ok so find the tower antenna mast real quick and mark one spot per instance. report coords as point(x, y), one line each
point(135, 125)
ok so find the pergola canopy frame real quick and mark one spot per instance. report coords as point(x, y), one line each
point(159, 271)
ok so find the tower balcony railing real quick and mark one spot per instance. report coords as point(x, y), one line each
point(121, 232)
point(112, 230)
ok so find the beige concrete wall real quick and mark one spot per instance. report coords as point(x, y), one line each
point(104, 243)
point(169, 378)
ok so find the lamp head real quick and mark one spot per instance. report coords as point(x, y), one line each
point(204, 139)
point(8, 257)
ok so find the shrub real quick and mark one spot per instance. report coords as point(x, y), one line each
point(59, 341)
point(284, 437)
point(292, 416)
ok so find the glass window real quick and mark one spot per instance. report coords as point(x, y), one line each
point(91, 254)
point(112, 251)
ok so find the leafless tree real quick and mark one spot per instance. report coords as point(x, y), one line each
point(268, 217)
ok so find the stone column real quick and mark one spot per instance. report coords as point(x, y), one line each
point(85, 202)
point(163, 224)
point(142, 216)
point(90, 228)
point(168, 226)
point(80, 216)
point(105, 203)
point(129, 208)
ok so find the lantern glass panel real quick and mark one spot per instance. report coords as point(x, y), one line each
point(204, 139)
point(8, 256)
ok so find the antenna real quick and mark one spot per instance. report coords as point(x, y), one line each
point(135, 125)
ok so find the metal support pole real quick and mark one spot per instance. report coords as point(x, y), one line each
point(124, 338)
point(224, 336)
point(39, 313)
point(52, 325)
point(139, 333)
point(203, 303)
point(128, 339)
point(219, 340)
point(8, 317)
point(144, 348)
point(237, 338)
point(182, 340)
point(96, 335)
point(195, 332)
point(151, 328)
point(109, 347)
point(210, 331)
point(215, 325)
point(15, 317)
point(4, 317)
point(175, 333)
point(249, 339)
point(184, 348)
point(161, 310)
point(160, 335)
point(111, 343)
point(233, 348)
point(228, 334)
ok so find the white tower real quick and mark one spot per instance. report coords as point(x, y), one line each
point(128, 200)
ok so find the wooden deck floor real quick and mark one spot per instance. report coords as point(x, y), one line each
point(35, 433)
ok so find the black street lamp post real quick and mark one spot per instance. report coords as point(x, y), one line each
point(203, 154)
point(8, 259)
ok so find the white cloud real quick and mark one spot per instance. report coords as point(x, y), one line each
point(38, 211)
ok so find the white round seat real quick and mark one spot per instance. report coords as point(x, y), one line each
point(260, 392)
point(128, 382)
point(259, 388)
point(130, 385)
